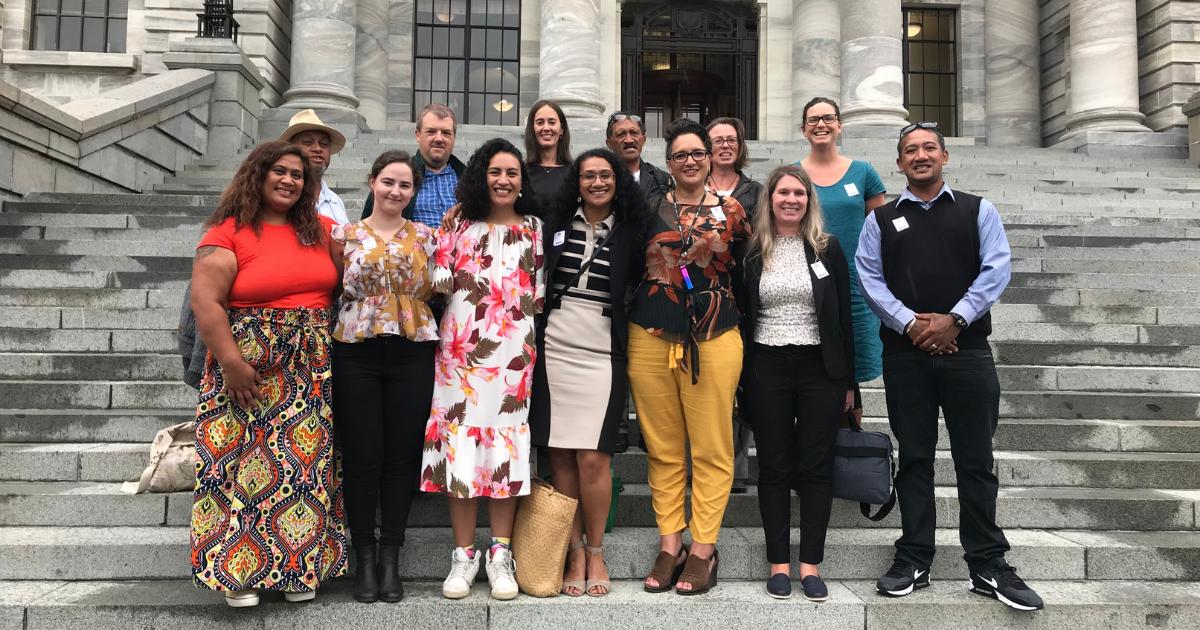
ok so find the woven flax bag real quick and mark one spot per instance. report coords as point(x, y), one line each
point(541, 534)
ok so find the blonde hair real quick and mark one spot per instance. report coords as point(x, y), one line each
point(812, 226)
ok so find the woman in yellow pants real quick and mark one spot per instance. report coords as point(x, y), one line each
point(685, 356)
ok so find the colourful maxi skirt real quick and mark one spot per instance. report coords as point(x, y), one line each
point(267, 510)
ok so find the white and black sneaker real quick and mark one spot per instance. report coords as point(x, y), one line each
point(1001, 582)
point(902, 579)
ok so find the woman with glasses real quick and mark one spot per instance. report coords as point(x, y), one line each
point(685, 356)
point(730, 156)
point(547, 150)
point(579, 381)
point(848, 191)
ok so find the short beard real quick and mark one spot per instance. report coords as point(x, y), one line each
point(320, 170)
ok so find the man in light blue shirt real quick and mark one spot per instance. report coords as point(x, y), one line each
point(931, 265)
point(319, 144)
point(436, 127)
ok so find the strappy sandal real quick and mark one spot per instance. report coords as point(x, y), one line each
point(698, 573)
point(578, 585)
point(591, 584)
point(666, 571)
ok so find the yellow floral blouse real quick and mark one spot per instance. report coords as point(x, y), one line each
point(386, 284)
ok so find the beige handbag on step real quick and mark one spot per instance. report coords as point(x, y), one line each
point(172, 462)
point(541, 534)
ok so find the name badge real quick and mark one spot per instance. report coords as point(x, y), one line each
point(369, 242)
point(510, 265)
point(851, 190)
point(901, 224)
point(718, 214)
point(560, 237)
point(819, 269)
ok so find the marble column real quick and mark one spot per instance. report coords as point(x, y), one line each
point(570, 56)
point(371, 61)
point(323, 38)
point(872, 59)
point(1104, 68)
point(816, 54)
point(1014, 109)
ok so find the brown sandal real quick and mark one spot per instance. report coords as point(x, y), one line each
point(666, 571)
point(698, 569)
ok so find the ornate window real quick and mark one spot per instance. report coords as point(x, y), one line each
point(931, 67)
point(80, 25)
point(468, 56)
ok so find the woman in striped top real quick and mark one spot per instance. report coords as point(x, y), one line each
point(580, 385)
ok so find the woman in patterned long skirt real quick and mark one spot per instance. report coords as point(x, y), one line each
point(477, 441)
point(267, 510)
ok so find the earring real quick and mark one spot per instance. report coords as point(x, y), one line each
point(578, 199)
point(518, 194)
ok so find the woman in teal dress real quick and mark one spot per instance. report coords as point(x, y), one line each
point(848, 191)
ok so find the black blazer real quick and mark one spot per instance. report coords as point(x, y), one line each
point(831, 296)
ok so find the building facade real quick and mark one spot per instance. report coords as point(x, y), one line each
point(1013, 72)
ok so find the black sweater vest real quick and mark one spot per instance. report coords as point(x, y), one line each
point(930, 265)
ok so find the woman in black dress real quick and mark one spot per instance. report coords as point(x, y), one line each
point(579, 381)
point(547, 151)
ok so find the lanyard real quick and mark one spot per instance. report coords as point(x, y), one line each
point(685, 242)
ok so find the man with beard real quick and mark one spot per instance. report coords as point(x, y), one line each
point(626, 136)
point(436, 128)
point(931, 265)
point(319, 144)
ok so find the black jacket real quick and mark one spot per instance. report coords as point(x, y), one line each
point(653, 181)
point(419, 162)
point(831, 296)
point(746, 192)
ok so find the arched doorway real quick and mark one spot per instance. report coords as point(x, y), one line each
point(689, 59)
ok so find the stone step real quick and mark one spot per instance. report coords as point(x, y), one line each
point(1038, 313)
point(1116, 355)
point(73, 367)
point(32, 247)
point(89, 425)
point(67, 262)
point(1115, 255)
point(52, 279)
point(117, 199)
point(61, 340)
point(53, 553)
point(51, 317)
point(1105, 281)
point(1070, 332)
point(92, 298)
point(32, 394)
point(946, 605)
point(1075, 240)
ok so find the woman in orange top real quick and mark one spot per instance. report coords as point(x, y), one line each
point(267, 509)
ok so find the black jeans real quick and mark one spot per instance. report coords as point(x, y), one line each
point(964, 385)
point(382, 392)
point(795, 409)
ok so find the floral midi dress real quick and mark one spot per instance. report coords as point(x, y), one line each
point(477, 440)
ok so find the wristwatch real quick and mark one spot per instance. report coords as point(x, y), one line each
point(959, 320)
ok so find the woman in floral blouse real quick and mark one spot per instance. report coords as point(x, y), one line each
point(477, 441)
point(685, 356)
point(384, 345)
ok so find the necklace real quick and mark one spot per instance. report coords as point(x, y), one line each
point(548, 169)
point(736, 179)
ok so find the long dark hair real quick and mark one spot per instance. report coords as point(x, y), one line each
point(473, 192)
point(562, 153)
point(242, 200)
point(628, 204)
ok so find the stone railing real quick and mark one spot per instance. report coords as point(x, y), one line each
point(130, 138)
point(1191, 109)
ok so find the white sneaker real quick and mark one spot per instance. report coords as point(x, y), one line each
point(300, 597)
point(502, 574)
point(462, 574)
point(242, 599)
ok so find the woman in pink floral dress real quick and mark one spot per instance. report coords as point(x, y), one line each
point(477, 441)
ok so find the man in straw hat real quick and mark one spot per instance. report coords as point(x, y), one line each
point(319, 143)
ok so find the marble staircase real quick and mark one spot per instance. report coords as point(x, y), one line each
point(1097, 342)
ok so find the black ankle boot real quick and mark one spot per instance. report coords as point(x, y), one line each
point(366, 587)
point(391, 589)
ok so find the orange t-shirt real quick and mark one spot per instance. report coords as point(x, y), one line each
point(276, 271)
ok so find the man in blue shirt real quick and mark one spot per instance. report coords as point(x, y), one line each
point(931, 265)
point(436, 128)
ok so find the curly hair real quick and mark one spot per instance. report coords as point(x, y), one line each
point(242, 200)
point(562, 151)
point(473, 191)
point(628, 204)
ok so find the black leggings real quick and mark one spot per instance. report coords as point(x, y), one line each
point(795, 409)
point(382, 392)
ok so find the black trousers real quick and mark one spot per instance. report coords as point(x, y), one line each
point(382, 392)
point(964, 385)
point(795, 411)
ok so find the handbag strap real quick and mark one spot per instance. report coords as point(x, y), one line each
point(556, 299)
point(853, 422)
point(886, 508)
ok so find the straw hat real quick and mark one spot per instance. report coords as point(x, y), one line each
point(308, 120)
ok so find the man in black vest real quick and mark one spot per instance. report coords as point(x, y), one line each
point(931, 264)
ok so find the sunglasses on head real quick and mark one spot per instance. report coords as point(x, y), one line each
point(915, 126)
point(618, 117)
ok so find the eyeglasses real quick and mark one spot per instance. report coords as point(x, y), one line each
point(591, 176)
point(618, 117)
point(731, 142)
point(915, 126)
point(828, 118)
point(682, 156)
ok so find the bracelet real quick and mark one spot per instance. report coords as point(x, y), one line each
point(909, 325)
